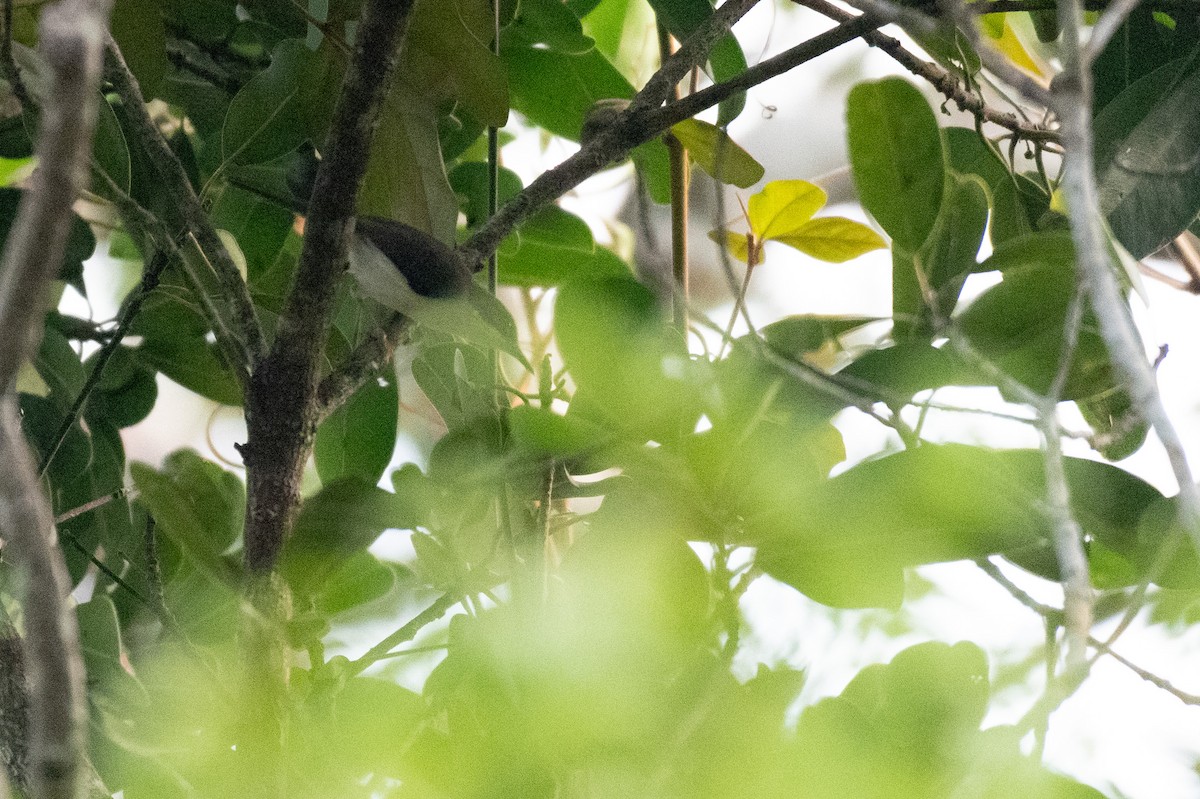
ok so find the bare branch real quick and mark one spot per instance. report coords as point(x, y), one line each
point(691, 53)
point(1054, 615)
point(71, 41)
point(409, 631)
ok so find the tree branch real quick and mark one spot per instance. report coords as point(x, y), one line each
point(364, 362)
point(249, 342)
point(71, 41)
point(406, 633)
point(639, 123)
point(690, 54)
point(281, 405)
point(942, 80)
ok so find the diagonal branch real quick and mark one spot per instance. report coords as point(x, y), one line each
point(71, 40)
point(642, 121)
point(246, 327)
point(364, 362)
point(690, 54)
point(942, 80)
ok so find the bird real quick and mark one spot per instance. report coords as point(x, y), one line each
point(429, 267)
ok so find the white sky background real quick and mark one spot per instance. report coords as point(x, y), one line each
point(1117, 731)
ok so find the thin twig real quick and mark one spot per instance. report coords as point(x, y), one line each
point(690, 54)
point(149, 282)
point(125, 492)
point(406, 633)
point(996, 62)
point(948, 84)
point(1054, 616)
point(360, 365)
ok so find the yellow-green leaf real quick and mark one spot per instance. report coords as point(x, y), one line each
point(833, 238)
point(1010, 45)
point(717, 154)
point(783, 207)
point(737, 243)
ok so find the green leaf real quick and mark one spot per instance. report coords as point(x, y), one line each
point(898, 730)
point(1116, 423)
point(360, 579)
point(1050, 250)
point(912, 366)
point(127, 390)
point(343, 518)
point(111, 151)
point(646, 390)
point(896, 156)
point(276, 111)
point(1140, 46)
point(553, 247)
point(1018, 208)
point(99, 636)
point(406, 179)
point(653, 163)
point(469, 180)
point(941, 265)
point(783, 206)
point(458, 380)
point(195, 502)
point(866, 525)
point(617, 27)
point(174, 341)
point(833, 238)
point(682, 18)
point(1018, 324)
point(794, 336)
point(137, 26)
point(549, 25)
point(970, 154)
point(446, 51)
point(260, 226)
point(543, 432)
point(358, 438)
point(717, 154)
point(738, 244)
point(537, 78)
point(1148, 158)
